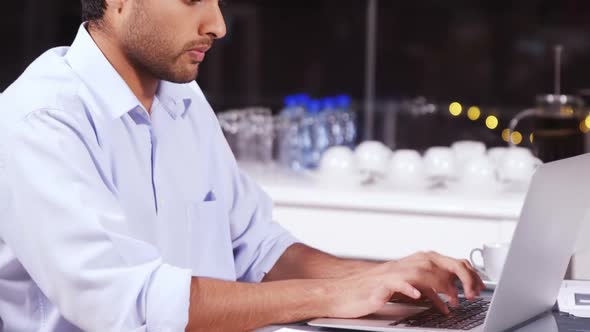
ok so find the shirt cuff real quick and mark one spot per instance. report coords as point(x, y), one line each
point(168, 299)
point(266, 264)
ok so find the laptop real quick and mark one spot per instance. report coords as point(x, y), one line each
point(557, 202)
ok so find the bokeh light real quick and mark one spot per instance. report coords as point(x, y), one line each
point(516, 138)
point(492, 122)
point(473, 113)
point(455, 109)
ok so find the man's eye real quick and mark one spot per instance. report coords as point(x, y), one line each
point(222, 3)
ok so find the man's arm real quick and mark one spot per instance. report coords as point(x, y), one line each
point(67, 228)
point(229, 306)
point(217, 305)
point(302, 262)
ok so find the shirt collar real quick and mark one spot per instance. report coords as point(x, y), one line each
point(97, 73)
point(109, 88)
point(175, 98)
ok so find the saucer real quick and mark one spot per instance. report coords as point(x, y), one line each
point(488, 188)
point(418, 185)
point(490, 284)
point(340, 180)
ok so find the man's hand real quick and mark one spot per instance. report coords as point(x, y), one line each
point(423, 275)
point(360, 290)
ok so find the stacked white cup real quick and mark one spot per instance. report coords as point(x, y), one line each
point(517, 166)
point(372, 157)
point(465, 166)
point(440, 163)
point(406, 170)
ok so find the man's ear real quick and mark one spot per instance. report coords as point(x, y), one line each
point(116, 12)
point(117, 5)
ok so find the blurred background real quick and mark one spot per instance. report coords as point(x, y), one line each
point(397, 82)
point(496, 55)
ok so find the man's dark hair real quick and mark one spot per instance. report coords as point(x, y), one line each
point(93, 10)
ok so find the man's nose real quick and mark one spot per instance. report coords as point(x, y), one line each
point(213, 24)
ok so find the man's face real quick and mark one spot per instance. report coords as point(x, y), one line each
point(168, 39)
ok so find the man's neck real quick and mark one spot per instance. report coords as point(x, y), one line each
point(141, 84)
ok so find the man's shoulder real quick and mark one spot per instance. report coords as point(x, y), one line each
point(46, 95)
point(47, 84)
point(200, 108)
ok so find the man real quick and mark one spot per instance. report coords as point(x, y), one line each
point(123, 208)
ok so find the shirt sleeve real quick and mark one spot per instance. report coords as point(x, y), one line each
point(61, 218)
point(258, 242)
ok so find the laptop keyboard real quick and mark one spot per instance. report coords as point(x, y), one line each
point(468, 315)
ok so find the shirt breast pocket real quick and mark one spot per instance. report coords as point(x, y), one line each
point(210, 247)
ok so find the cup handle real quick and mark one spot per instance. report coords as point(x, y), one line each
point(475, 265)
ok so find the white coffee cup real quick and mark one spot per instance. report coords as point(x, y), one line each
point(479, 172)
point(518, 165)
point(496, 154)
point(406, 169)
point(467, 150)
point(493, 256)
point(439, 162)
point(337, 161)
point(338, 168)
point(372, 157)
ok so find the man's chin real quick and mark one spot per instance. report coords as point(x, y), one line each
point(185, 77)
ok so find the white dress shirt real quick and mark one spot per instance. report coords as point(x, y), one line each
point(108, 211)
